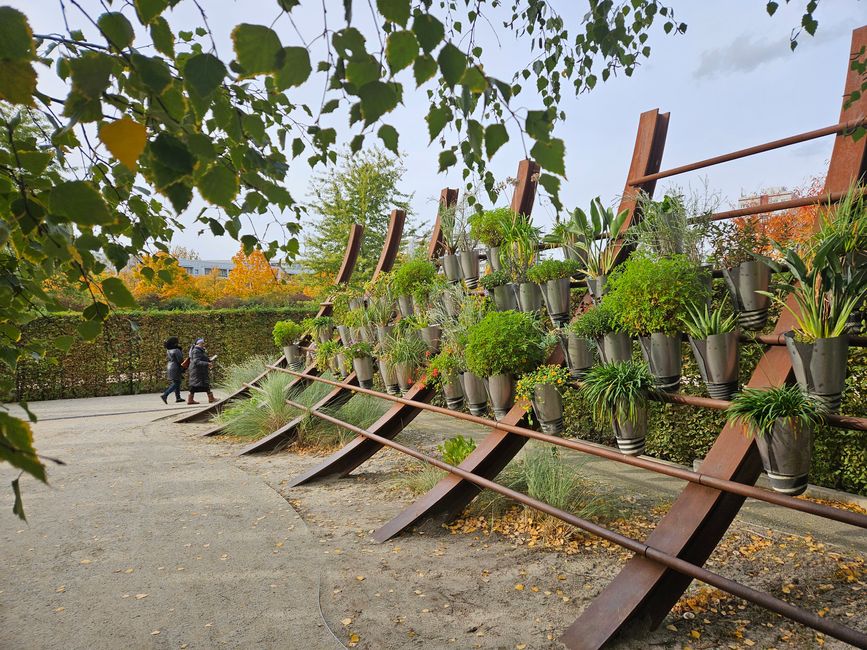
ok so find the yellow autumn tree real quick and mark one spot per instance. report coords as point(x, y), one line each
point(158, 277)
point(252, 276)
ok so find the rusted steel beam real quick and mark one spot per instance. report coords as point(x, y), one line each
point(391, 247)
point(843, 128)
point(701, 515)
point(448, 198)
point(641, 549)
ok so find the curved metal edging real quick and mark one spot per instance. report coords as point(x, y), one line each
point(448, 198)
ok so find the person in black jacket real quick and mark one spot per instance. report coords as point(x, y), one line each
point(199, 380)
point(174, 370)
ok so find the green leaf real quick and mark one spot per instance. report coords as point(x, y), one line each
point(437, 118)
point(219, 185)
point(349, 43)
point(400, 50)
point(89, 329)
point(397, 11)
point(164, 40)
point(550, 154)
point(17, 82)
point(173, 153)
point(116, 29)
point(496, 135)
point(149, 10)
point(357, 143)
point(81, 203)
point(474, 80)
point(377, 99)
point(296, 68)
point(179, 195)
point(115, 290)
point(154, 72)
point(18, 503)
point(452, 63)
point(257, 48)
point(552, 186)
point(64, 342)
point(16, 39)
point(34, 162)
point(389, 137)
point(363, 70)
point(428, 30)
point(772, 8)
point(90, 73)
point(297, 147)
point(424, 68)
point(16, 446)
point(203, 73)
point(447, 158)
point(539, 124)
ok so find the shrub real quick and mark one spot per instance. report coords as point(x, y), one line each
point(543, 375)
point(504, 342)
point(411, 275)
point(287, 332)
point(595, 322)
point(443, 368)
point(651, 295)
point(553, 270)
point(495, 279)
point(455, 450)
point(489, 227)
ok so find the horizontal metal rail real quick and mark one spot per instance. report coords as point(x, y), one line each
point(842, 127)
point(767, 208)
point(809, 507)
point(824, 625)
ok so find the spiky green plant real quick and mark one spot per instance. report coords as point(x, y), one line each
point(264, 413)
point(597, 235)
point(846, 222)
point(702, 322)
point(617, 390)
point(234, 376)
point(520, 246)
point(759, 409)
point(406, 348)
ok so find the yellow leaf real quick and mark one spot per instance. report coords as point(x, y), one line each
point(354, 639)
point(519, 587)
point(125, 139)
point(346, 621)
point(359, 578)
point(695, 634)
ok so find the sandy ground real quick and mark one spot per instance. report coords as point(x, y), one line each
point(151, 508)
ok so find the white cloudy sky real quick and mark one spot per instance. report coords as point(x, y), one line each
point(730, 82)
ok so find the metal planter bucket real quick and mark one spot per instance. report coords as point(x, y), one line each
point(367, 333)
point(556, 294)
point(548, 406)
point(494, 258)
point(529, 297)
point(743, 281)
point(404, 303)
point(356, 303)
point(470, 268)
point(389, 378)
point(342, 366)
point(294, 358)
point(405, 373)
point(477, 396)
point(504, 297)
point(452, 304)
point(664, 355)
point(615, 347)
point(383, 333)
point(431, 336)
point(718, 359)
point(454, 394)
point(363, 367)
point(597, 287)
point(854, 322)
point(631, 435)
point(579, 354)
point(820, 367)
point(786, 457)
point(325, 334)
point(501, 391)
point(451, 267)
point(344, 334)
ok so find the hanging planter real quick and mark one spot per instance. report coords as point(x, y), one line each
point(614, 347)
point(383, 333)
point(503, 291)
point(325, 334)
point(542, 388)
point(451, 267)
point(529, 297)
point(714, 340)
point(342, 365)
point(405, 373)
point(745, 282)
point(598, 287)
point(664, 355)
point(501, 392)
point(431, 336)
point(356, 303)
point(454, 394)
point(782, 420)
point(405, 353)
point(820, 367)
point(469, 261)
point(405, 305)
point(443, 371)
point(494, 258)
point(288, 334)
point(389, 378)
point(363, 367)
point(451, 303)
point(345, 335)
point(579, 354)
point(294, 358)
point(477, 396)
point(631, 433)
point(599, 324)
point(553, 278)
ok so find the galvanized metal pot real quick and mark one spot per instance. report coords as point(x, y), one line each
point(356, 303)
point(504, 297)
point(820, 367)
point(431, 336)
point(405, 373)
point(367, 333)
point(579, 354)
point(786, 457)
point(501, 391)
point(614, 347)
point(451, 267)
point(477, 396)
point(342, 365)
point(529, 297)
point(556, 295)
point(743, 281)
point(597, 287)
point(494, 258)
point(345, 335)
point(325, 334)
point(718, 359)
point(854, 324)
point(389, 378)
point(383, 333)
point(294, 358)
point(404, 303)
point(548, 407)
point(470, 268)
point(664, 355)
point(454, 394)
point(363, 367)
point(631, 435)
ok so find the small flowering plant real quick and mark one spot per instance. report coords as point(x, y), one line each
point(550, 375)
point(442, 368)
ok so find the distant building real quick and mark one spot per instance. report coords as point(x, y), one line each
point(768, 196)
point(206, 267)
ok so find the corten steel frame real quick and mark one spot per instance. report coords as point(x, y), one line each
point(400, 415)
point(347, 267)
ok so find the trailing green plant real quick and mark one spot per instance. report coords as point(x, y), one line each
point(596, 236)
point(353, 318)
point(264, 413)
point(553, 270)
point(617, 390)
point(412, 274)
point(668, 227)
point(454, 450)
point(652, 294)
point(489, 227)
point(495, 279)
point(360, 350)
point(757, 410)
point(443, 368)
point(547, 375)
point(596, 322)
point(321, 322)
point(288, 332)
point(702, 322)
point(406, 349)
point(505, 342)
point(325, 353)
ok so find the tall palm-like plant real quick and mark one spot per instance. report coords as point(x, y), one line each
point(596, 236)
point(520, 246)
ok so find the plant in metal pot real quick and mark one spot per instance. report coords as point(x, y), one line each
point(453, 224)
point(473, 308)
point(406, 353)
point(713, 337)
point(553, 278)
point(354, 320)
point(519, 251)
point(323, 327)
point(597, 241)
point(600, 324)
point(408, 277)
point(429, 328)
point(288, 335)
point(650, 297)
point(568, 235)
point(676, 225)
point(543, 390)
point(455, 450)
point(499, 285)
point(617, 394)
point(489, 228)
point(826, 295)
point(444, 372)
point(782, 420)
point(362, 362)
point(502, 345)
point(326, 356)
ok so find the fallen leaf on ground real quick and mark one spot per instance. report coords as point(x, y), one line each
point(346, 621)
point(140, 596)
point(155, 632)
point(519, 587)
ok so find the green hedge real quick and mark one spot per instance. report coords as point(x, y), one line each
point(129, 356)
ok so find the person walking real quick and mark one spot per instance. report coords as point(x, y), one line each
point(174, 369)
point(200, 372)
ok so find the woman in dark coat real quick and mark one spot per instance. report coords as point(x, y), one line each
point(200, 372)
point(174, 371)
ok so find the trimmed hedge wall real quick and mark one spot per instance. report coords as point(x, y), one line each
point(129, 357)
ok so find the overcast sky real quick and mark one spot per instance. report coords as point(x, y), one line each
point(731, 81)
